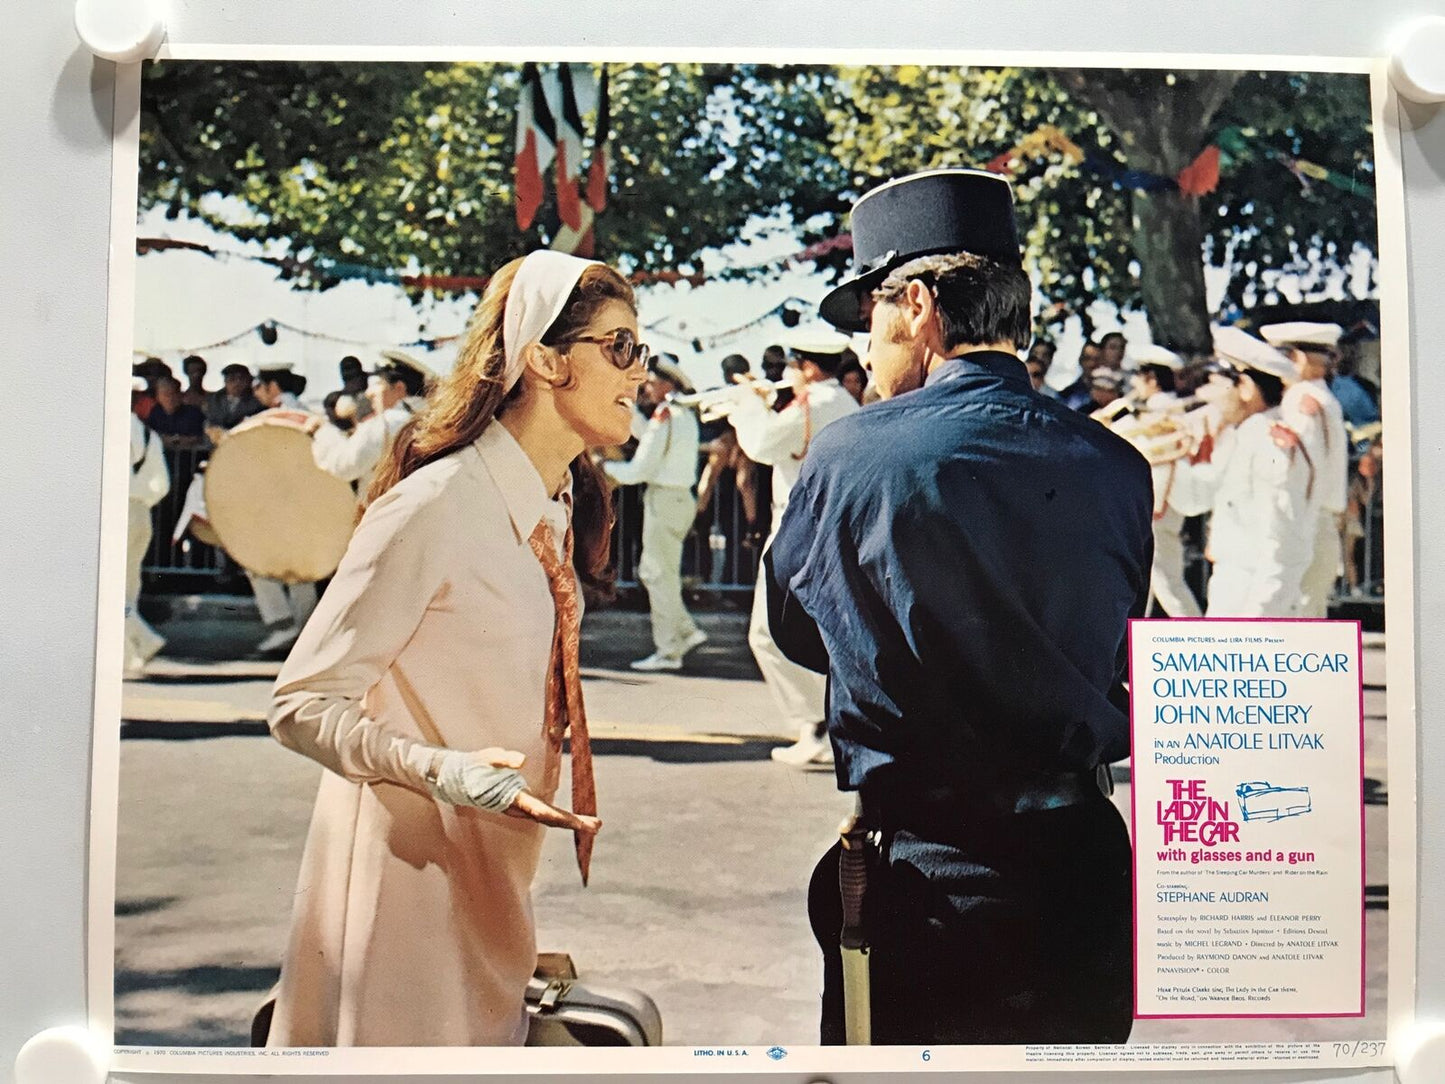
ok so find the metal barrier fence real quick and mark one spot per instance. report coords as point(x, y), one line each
point(721, 555)
point(187, 557)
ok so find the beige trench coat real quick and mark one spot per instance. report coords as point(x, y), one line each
point(413, 920)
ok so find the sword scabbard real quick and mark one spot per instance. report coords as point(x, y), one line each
point(853, 939)
point(853, 880)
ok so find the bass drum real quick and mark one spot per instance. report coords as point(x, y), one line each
point(276, 513)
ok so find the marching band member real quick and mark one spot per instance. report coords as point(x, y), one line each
point(781, 440)
point(666, 464)
point(150, 480)
point(284, 607)
point(278, 388)
point(1312, 411)
point(396, 392)
point(1152, 391)
point(1262, 529)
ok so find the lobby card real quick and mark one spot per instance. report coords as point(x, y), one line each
point(1273, 903)
point(1248, 815)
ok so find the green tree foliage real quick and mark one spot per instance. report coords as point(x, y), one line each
point(404, 166)
point(888, 121)
point(410, 167)
point(1263, 217)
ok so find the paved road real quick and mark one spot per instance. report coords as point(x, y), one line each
point(698, 879)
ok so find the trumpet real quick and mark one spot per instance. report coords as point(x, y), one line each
point(718, 402)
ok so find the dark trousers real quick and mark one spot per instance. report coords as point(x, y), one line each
point(1009, 930)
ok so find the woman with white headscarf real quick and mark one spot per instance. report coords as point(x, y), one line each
point(439, 673)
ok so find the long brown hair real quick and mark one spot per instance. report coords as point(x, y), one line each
point(474, 393)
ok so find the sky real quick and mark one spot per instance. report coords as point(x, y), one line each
point(189, 302)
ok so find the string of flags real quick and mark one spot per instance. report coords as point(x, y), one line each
point(462, 283)
point(1236, 142)
point(268, 331)
point(789, 311)
point(1199, 178)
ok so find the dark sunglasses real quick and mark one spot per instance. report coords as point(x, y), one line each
point(620, 346)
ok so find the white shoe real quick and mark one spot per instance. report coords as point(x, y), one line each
point(697, 639)
point(282, 637)
point(657, 662)
point(804, 752)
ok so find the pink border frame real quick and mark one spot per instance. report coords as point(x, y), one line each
point(1134, 819)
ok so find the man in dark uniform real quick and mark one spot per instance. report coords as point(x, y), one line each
point(961, 560)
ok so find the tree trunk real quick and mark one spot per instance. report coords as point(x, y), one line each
point(1161, 120)
point(1169, 241)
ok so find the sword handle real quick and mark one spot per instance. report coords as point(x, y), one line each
point(853, 881)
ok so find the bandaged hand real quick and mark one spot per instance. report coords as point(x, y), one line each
point(489, 779)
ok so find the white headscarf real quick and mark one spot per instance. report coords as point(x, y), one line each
point(538, 295)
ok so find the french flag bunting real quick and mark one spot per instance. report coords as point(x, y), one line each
point(569, 151)
point(536, 145)
point(600, 167)
point(579, 241)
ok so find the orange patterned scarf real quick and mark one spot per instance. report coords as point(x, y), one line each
point(564, 684)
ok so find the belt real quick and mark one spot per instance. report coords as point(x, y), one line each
point(957, 804)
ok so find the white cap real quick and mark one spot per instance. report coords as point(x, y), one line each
point(1149, 354)
point(1241, 350)
point(1302, 333)
point(662, 366)
point(816, 340)
point(401, 357)
point(138, 383)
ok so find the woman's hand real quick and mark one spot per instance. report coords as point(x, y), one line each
point(489, 779)
point(529, 806)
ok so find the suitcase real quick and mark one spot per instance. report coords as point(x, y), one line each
point(564, 1011)
point(561, 1010)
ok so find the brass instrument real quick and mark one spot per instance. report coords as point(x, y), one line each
point(1161, 435)
point(718, 402)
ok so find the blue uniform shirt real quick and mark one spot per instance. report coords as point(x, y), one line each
point(961, 561)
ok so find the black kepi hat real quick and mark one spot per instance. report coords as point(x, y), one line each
point(924, 214)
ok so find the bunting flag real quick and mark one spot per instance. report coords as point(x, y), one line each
point(1201, 176)
point(569, 151)
point(579, 241)
point(536, 145)
point(1035, 145)
point(600, 167)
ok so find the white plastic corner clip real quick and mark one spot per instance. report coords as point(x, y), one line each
point(126, 31)
point(1420, 1054)
point(68, 1055)
point(1417, 60)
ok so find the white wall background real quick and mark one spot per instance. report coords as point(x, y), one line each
point(54, 223)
